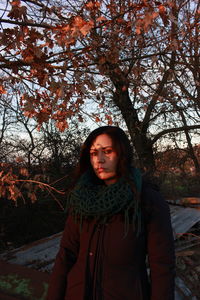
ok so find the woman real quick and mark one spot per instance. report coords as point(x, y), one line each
point(115, 220)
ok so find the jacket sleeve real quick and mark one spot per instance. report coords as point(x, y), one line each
point(65, 259)
point(160, 247)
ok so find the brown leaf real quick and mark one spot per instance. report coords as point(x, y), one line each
point(97, 119)
point(80, 118)
point(19, 159)
point(24, 172)
point(33, 197)
point(17, 12)
point(14, 192)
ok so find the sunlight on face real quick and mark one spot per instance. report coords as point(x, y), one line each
point(104, 159)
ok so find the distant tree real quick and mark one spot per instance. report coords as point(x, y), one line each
point(62, 148)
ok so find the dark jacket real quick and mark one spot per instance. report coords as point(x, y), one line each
point(99, 263)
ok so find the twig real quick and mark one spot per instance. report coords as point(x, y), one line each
point(40, 183)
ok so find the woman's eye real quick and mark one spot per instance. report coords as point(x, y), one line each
point(93, 153)
point(108, 151)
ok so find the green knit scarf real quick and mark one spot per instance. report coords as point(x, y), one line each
point(103, 201)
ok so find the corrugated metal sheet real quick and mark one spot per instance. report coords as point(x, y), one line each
point(183, 218)
point(39, 255)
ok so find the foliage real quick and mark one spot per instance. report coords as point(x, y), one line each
point(36, 171)
point(20, 285)
point(36, 163)
point(177, 161)
point(176, 172)
point(175, 187)
point(32, 214)
point(141, 56)
point(137, 58)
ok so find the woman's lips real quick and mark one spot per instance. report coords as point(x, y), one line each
point(100, 170)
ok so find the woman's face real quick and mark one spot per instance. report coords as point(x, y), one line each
point(104, 159)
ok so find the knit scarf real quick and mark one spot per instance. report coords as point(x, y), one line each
point(102, 201)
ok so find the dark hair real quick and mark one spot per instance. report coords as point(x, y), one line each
point(121, 145)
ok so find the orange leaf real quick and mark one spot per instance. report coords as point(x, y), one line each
point(138, 30)
point(16, 3)
point(162, 9)
point(78, 21)
point(90, 4)
point(66, 28)
point(86, 28)
point(97, 119)
point(93, 4)
point(101, 19)
point(2, 90)
point(62, 125)
point(14, 192)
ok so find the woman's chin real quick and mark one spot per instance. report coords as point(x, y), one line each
point(108, 179)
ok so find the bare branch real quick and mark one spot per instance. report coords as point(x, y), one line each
point(177, 129)
point(25, 23)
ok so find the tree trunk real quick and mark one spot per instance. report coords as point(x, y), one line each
point(141, 142)
point(190, 147)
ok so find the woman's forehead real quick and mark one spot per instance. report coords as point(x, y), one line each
point(102, 141)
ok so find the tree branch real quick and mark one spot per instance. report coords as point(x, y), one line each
point(25, 23)
point(178, 129)
point(158, 92)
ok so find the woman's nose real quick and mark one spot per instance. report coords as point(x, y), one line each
point(100, 157)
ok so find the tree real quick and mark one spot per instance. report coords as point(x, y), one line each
point(33, 161)
point(135, 55)
point(19, 134)
point(5, 123)
point(62, 148)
